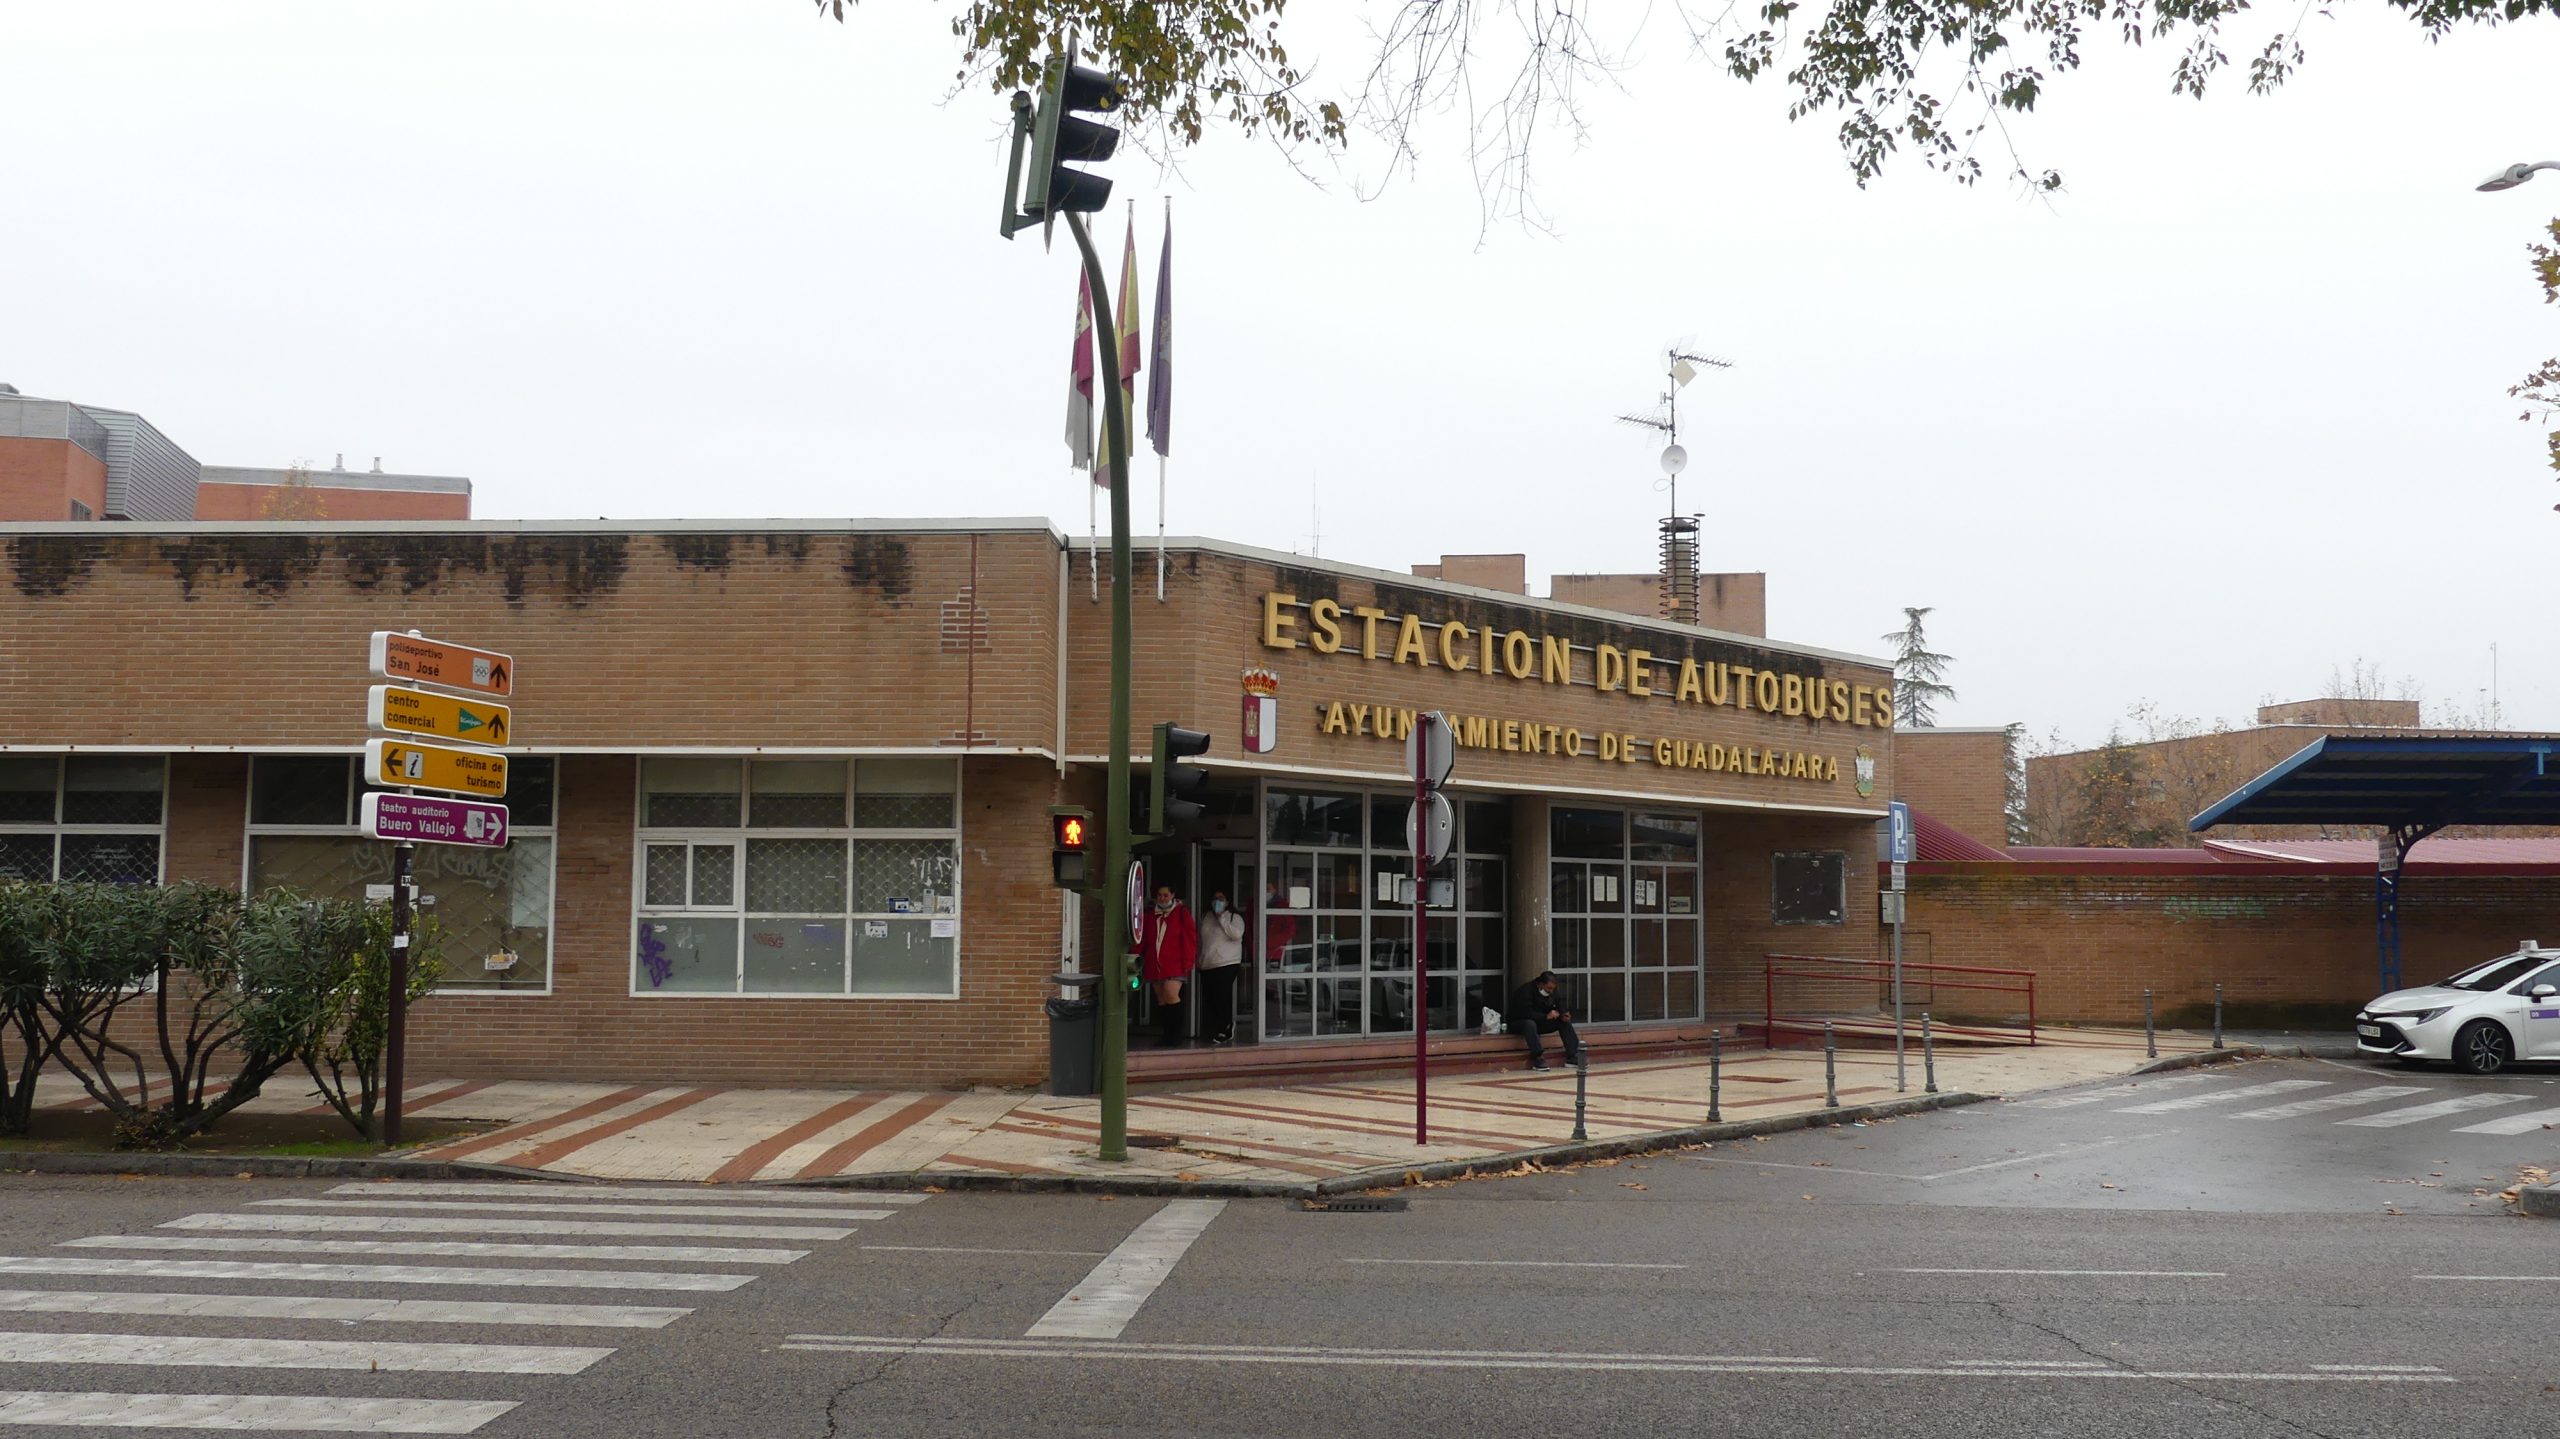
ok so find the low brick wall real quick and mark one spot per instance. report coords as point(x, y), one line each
point(2288, 943)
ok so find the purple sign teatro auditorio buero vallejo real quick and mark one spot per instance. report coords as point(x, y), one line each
point(428, 819)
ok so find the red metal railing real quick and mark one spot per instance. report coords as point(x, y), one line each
point(1857, 995)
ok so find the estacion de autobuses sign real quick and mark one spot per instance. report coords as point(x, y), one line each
point(1520, 656)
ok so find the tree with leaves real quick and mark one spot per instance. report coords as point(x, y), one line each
point(2540, 390)
point(1933, 77)
point(1919, 672)
point(345, 1058)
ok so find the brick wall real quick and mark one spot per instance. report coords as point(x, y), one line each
point(216, 501)
point(2284, 944)
point(1959, 777)
point(40, 478)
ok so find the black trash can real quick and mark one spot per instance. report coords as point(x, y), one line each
point(1072, 1030)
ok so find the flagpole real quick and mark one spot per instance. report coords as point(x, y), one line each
point(1092, 540)
point(1163, 357)
point(1159, 529)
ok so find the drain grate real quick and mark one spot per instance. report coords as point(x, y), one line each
point(1359, 1206)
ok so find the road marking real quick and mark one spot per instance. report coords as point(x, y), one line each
point(445, 1248)
point(1676, 1364)
point(1139, 1348)
point(2493, 1278)
point(2348, 1100)
point(2223, 1096)
point(2113, 1091)
point(710, 1211)
point(247, 1411)
point(1522, 1263)
point(2088, 1273)
point(375, 1311)
point(962, 1249)
point(2515, 1123)
point(1108, 1298)
point(2050, 1363)
point(2063, 1101)
point(403, 1224)
point(188, 1351)
point(369, 1273)
point(726, 1194)
point(2437, 1110)
point(2063, 1152)
point(2377, 1369)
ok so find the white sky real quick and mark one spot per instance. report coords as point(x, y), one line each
point(2227, 414)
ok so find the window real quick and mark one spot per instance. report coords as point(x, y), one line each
point(493, 905)
point(82, 818)
point(798, 877)
point(1812, 887)
point(1624, 915)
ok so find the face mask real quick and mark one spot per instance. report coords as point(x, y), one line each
point(1218, 906)
point(1164, 906)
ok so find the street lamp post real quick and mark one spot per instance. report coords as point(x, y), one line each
point(2514, 175)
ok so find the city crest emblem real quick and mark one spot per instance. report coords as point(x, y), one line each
point(1261, 711)
point(1866, 772)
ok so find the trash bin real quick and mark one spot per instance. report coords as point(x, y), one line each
point(1071, 1034)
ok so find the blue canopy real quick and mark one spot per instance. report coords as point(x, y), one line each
point(2407, 783)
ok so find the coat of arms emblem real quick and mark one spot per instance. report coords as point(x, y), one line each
point(1261, 711)
point(1866, 772)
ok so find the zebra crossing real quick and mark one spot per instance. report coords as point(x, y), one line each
point(574, 1240)
point(2215, 1096)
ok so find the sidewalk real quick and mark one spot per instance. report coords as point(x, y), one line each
point(1283, 1135)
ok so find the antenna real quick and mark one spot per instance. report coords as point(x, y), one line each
point(1678, 532)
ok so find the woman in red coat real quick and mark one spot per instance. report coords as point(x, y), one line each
point(1168, 951)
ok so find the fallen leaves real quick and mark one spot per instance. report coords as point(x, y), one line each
point(1629, 1184)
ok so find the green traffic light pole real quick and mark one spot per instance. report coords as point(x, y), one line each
point(1114, 1017)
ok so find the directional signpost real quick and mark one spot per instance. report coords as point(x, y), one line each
point(1430, 752)
point(1901, 843)
point(447, 759)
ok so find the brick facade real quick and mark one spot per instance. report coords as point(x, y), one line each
point(42, 479)
point(1959, 777)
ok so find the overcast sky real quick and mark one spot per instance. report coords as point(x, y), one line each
point(2225, 415)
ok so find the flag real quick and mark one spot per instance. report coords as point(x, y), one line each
point(1080, 383)
point(1127, 319)
point(1160, 384)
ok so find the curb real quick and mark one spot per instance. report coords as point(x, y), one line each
point(2540, 1200)
point(2201, 1058)
point(265, 1166)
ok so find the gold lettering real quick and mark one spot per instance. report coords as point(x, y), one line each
point(1369, 617)
point(1518, 654)
point(1533, 737)
point(1719, 685)
point(1608, 744)
point(1861, 705)
point(1449, 655)
point(1511, 736)
point(1334, 720)
point(1473, 727)
point(1742, 685)
point(1557, 656)
point(1554, 740)
point(1404, 723)
point(1277, 621)
point(1608, 668)
point(1573, 743)
point(1697, 756)
point(1409, 648)
point(1484, 647)
point(1715, 757)
point(1791, 691)
point(1795, 768)
point(1662, 753)
point(1840, 700)
point(1817, 699)
point(1628, 748)
point(1639, 681)
point(1691, 691)
point(1831, 769)
point(1884, 707)
point(1768, 761)
point(1764, 688)
point(1359, 719)
point(1327, 618)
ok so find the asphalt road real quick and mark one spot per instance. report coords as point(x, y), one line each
point(2239, 1251)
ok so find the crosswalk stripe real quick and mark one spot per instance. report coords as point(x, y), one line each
point(2437, 1110)
point(2223, 1096)
point(2515, 1123)
point(447, 1248)
point(726, 1194)
point(276, 1412)
point(2348, 1100)
point(2066, 1101)
point(246, 1269)
point(340, 1308)
point(190, 1351)
point(404, 1224)
point(475, 1206)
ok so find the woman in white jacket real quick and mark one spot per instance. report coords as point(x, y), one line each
point(1221, 960)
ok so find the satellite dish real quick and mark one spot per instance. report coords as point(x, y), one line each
point(1674, 459)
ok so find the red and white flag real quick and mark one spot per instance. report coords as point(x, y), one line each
point(1080, 384)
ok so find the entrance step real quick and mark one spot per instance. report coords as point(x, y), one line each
point(1316, 1061)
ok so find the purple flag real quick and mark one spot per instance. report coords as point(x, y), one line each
point(1160, 383)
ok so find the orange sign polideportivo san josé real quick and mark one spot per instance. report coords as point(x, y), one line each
point(419, 660)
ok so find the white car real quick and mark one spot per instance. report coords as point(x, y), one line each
point(2481, 1020)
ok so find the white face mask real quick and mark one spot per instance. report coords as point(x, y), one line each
point(1164, 906)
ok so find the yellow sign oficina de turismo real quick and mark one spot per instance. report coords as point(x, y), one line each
point(402, 710)
point(406, 764)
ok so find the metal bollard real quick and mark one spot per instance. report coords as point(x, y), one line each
point(2217, 1016)
point(1830, 1069)
point(1715, 1076)
point(1928, 1054)
point(1581, 1081)
point(2150, 1036)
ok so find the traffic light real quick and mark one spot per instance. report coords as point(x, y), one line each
point(1070, 846)
point(1170, 783)
point(1059, 140)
